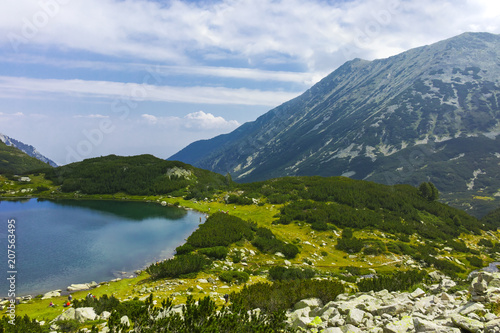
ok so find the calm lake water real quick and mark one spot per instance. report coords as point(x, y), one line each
point(68, 241)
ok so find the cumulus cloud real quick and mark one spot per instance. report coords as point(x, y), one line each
point(204, 120)
point(199, 120)
point(150, 119)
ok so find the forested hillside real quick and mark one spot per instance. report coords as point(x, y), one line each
point(14, 161)
point(135, 175)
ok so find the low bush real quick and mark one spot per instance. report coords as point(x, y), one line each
point(178, 266)
point(221, 230)
point(398, 281)
point(266, 242)
point(475, 261)
point(279, 273)
point(184, 249)
point(349, 245)
point(282, 295)
point(234, 276)
point(485, 242)
point(100, 304)
point(217, 252)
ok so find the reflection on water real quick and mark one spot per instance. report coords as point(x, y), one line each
point(63, 242)
point(130, 210)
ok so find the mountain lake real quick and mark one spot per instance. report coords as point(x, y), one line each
point(58, 243)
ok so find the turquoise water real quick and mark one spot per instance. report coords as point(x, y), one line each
point(71, 241)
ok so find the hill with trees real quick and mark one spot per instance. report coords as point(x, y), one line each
point(14, 161)
point(135, 175)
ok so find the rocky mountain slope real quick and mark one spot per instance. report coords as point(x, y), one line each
point(15, 161)
point(28, 149)
point(428, 114)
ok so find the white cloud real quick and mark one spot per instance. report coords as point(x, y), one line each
point(199, 120)
point(91, 116)
point(16, 114)
point(150, 119)
point(202, 120)
point(315, 33)
point(145, 92)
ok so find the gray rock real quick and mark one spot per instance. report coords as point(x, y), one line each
point(125, 321)
point(332, 330)
point(467, 324)
point(105, 315)
point(470, 307)
point(417, 293)
point(350, 329)
point(355, 316)
point(69, 314)
point(492, 326)
point(302, 322)
point(50, 294)
point(392, 309)
point(422, 325)
point(401, 326)
point(84, 314)
point(310, 302)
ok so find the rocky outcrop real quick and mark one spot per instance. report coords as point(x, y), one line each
point(436, 310)
point(82, 286)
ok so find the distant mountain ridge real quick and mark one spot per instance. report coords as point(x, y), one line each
point(389, 120)
point(28, 149)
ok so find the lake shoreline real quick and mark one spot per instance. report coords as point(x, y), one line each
point(121, 275)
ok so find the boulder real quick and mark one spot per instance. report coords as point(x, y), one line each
point(84, 314)
point(105, 315)
point(69, 314)
point(350, 329)
point(355, 316)
point(492, 326)
point(125, 321)
point(401, 326)
point(302, 322)
point(332, 330)
point(310, 302)
point(50, 294)
point(468, 324)
point(470, 307)
point(422, 325)
point(78, 287)
point(417, 293)
point(392, 309)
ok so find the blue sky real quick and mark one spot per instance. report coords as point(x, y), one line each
point(86, 78)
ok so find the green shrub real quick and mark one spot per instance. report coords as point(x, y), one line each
point(266, 242)
point(397, 281)
point(21, 325)
point(103, 303)
point(475, 261)
point(236, 257)
point(485, 242)
point(283, 295)
point(217, 252)
point(184, 249)
point(177, 266)
point(234, 276)
point(279, 273)
point(349, 245)
point(221, 230)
